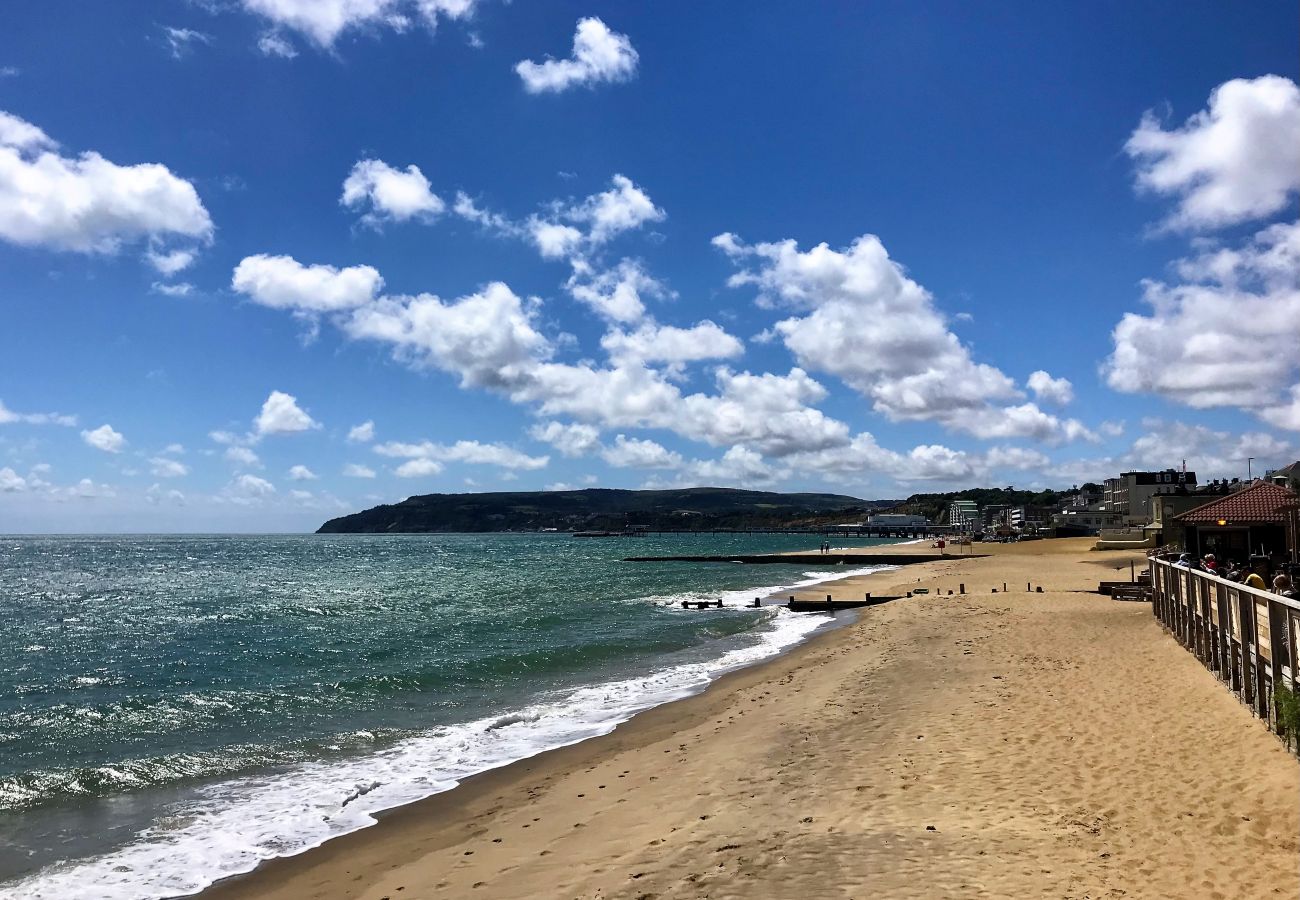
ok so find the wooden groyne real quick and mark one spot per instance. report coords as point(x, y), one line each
point(815, 559)
point(1245, 636)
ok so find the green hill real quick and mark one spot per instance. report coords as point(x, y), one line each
point(599, 509)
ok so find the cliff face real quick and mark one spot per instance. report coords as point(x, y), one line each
point(600, 509)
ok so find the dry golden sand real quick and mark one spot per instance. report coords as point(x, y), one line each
point(987, 745)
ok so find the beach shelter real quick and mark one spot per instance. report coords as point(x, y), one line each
point(1253, 521)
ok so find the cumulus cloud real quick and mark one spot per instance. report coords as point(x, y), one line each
point(1222, 335)
point(907, 362)
point(634, 453)
point(574, 228)
point(1051, 390)
point(418, 468)
point(1208, 451)
point(599, 55)
point(281, 282)
point(281, 415)
point(653, 343)
point(169, 262)
point(571, 438)
point(323, 21)
point(356, 470)
point(472, 452)
point(388, 194)
point(163, 467)
point(88, 204)
point(156, 494)
point(615, 293)
point(1239, 159)
point(242, 456)
point(252, 486)
point(11, 482)
point(104, 438)
point(363, 433)
point(9, 417)
point(301, 473)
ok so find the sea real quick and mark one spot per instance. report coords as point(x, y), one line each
point(174, 710)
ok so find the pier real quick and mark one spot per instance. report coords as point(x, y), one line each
point(1246, 637)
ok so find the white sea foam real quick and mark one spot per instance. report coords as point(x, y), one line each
point(234, 825)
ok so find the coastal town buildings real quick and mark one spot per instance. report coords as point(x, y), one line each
point(1252, 521)
point(964, 515)
point(1129, 494)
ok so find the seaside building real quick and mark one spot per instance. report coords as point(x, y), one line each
point(1129, 495)
point(1028, 519)
point(1257, 520)
point(891, 519)
point(964, 515)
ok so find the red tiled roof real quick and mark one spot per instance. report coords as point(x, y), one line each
point(1262, 503)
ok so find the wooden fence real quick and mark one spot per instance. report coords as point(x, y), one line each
point(1247, 637)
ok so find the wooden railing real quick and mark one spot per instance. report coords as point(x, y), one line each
point(1247, 637)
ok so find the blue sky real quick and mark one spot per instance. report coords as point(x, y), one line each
point(871, 248)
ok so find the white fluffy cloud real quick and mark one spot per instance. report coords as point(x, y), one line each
point(162, 467)
point(8, 417)
point(572, 229)
point(169, 262)
point(281, 415)
point(614, 294)
point(363, 433)
point(1208, 451)
point(356, 470)
point(11, 482)
point(1049, 389)
point(634, 453)
point(388, 194)
point(487, 338)
point(1237, 160)
point(599, 55)
point(86, 203)
point(242, 456)
point(104, 438)
point(668, 344)
point(905, 360)
point(252, 486)
point(323, 21)
point(571, 439)
point(301, 473)
point(1225, 335)
point(418, 468)
point(281, 282)
point(472, 452)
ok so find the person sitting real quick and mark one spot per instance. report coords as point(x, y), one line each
point(1258, 570)
point(1282, 585)
point(1187, 561)
point(1210, 563)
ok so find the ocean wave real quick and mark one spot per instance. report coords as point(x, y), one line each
point(235, 824)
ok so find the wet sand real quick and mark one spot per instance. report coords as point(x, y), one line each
point(1008, 744)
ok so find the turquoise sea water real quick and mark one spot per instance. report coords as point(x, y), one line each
point(175, 709)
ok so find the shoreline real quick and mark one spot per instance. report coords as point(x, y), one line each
point(668, 683)
point(443, 809)
point(1006, 744)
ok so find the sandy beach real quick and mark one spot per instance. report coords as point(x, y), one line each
point(1008, 744)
